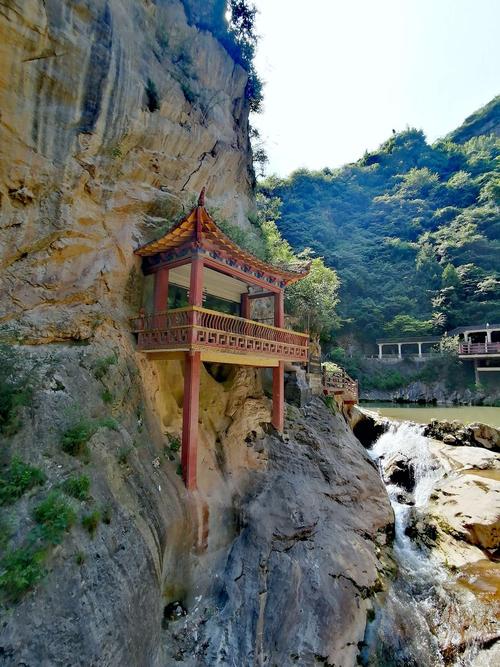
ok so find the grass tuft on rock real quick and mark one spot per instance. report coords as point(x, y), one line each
point(80, 558)
point(21, 569)
point(107, 396)
point(102, 366)
point(108, 422)
point(78, 487)
point(91, 522)
point(74, 440)
point(18, 478)
point(55, 516)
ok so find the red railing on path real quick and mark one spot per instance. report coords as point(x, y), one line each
point(479, 348)
point(339, 382)
point(194, 327)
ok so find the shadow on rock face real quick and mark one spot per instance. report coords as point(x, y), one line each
point(367, 430)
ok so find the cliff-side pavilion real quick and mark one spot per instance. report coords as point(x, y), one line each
point(195, 265)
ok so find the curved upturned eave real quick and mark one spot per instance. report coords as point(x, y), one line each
point(184, 232)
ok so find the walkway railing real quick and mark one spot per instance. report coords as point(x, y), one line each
point(340, 383)
point(479, 348)
point(196, 328)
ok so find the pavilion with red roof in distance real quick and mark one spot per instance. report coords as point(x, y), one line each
point(194, 263)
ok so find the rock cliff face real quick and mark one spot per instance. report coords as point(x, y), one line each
point(275, 559)
point(114, 114)
point(309, 552)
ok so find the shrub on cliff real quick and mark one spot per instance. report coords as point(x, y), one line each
point(18, 478)
point(78, 487)
point(74, 439)
point(15, 389)
point(54, 516)
point(21, 569)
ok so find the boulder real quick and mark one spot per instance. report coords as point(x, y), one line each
point(399, 470)
point(297, 390)
point(473, 435)
point(486, 436)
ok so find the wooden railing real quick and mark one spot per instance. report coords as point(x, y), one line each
point(340, 383)
point(479, 348)
point(194, 327)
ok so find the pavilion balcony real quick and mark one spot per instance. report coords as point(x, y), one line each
point(479, 349)
point(216, 335)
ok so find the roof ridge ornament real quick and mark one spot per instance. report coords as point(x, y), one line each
point(201, 198)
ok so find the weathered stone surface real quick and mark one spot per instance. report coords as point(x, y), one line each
point(462, 519)
point(296, 581)
point(114, 114)
point(106, 609)
point(399, 470)
point(472, 435)
point(297, 390)
point(87, 170)
point(367, 426)
point(283, 528)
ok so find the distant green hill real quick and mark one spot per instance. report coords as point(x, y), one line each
point(412, 229)
point(484, 121)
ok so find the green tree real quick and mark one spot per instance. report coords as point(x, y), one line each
point(407, 325)
point(450, 277)
point(314, 298)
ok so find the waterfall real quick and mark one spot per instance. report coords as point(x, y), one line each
point(424, 619)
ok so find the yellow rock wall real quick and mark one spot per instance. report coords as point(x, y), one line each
point(87, 171)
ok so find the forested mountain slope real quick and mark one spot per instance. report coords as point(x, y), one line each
point(412, 229)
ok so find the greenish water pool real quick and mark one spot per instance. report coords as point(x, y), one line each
point(423, 414)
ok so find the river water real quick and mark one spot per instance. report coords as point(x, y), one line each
point(426, 618)
point(425, 413)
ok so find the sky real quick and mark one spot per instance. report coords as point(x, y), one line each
point(340, 75)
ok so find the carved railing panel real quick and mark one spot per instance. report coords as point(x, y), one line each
point(197, 328)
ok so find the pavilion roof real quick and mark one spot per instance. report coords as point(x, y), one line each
point(200, 230)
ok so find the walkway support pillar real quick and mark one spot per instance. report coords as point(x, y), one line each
point(192, 370)
point(380, 350)
point(278, 416)
point(419, 349)
point(476, 372)
point(400, 352)
point(190, 415)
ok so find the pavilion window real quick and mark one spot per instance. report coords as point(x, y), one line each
point(178, 297)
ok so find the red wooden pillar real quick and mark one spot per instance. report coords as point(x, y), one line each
point(279, 309)
point(196, 281)
point(192, 368)
point(190, 414)
point(245, 306)
point(278, 417)
point(160, 299)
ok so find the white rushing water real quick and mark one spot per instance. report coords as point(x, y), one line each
point(421, 619)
